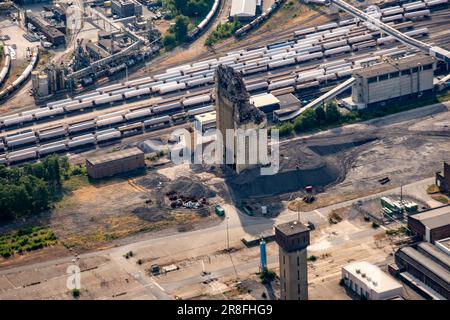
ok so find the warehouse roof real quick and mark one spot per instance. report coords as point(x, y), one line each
point(372, 276)
point(433, 218)
point(426, 263)
point(288, 100)
point(394, 66)
point(243, 8)
point(263, 100)
point(436, 254)
point(123, 154)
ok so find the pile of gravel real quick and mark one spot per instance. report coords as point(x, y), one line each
point(189, 188)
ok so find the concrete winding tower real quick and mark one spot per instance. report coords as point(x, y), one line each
point(234, 111)
point(293, 239)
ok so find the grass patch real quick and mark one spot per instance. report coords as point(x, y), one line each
point(396, 232)
point(440, 198)
point(25, 240)
point(432, 189)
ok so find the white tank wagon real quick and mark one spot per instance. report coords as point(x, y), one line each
point(81, 126)
point(386, 40)
point(414, 6)
point(201, 81)
point(339, 50)
point(171, 87)
point(309, 57)
point(433, 3)
point(122, 91)
point(157, 121)
point(334, 44)
point(108, 99)
point(327, 26)
point(257, 86)
point(310, 75)
point(188, 102)
point(111, 114)
point(21, 141)
point(137, 93)
point(87, 96)
point(167, 107)
point(79, 106)
point(54, 103)
point(361, 38)
point(282, 63)
point(397, 17)
point(17, 120)
point(138, 114)
point(22, 155)
point(51, 148)
point(327, 77)
point(81, 141)
point(196, 111)
point(281, 84)
point(140, 81)
point(116, 134)
point(48, 113)
point(3, 160)
point(110, 88)
point(417, 32)
point(33, 111)
point(19, 135)
point(109, 121)
point(6, 64)
point(52, 133)
point(392, 11)
point(417, 14)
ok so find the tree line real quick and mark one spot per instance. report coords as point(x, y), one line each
point(315, 118)
point(30, 189)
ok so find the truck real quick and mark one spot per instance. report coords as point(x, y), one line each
point(219, 210)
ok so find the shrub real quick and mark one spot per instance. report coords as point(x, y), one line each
point(75, 293)
point(375, 225)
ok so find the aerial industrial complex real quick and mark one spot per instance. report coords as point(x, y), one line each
point(130, 134)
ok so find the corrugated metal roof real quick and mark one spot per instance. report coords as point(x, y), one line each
point(243, 8)
point(394, 66)
point(434, 218)
point(114, 156)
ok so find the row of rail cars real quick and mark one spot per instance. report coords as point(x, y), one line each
point(6, 65)
point(202, 26)
point(330, 41)
point(29, 145)
point(22, 78)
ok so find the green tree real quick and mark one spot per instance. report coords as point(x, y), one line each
point(169, 41)
point(320, 115)
point(332, 113)
point(181, 28)
point(286, 129)
point(307, 120)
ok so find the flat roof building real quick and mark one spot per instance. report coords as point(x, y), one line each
point(370, 282)
point(266, 102)
point(243, 9)
point(114, 163)
point(431, 225)
point(407, 77)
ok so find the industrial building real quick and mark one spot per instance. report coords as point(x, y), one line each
point(370, 282)
point(114, 163)
point(293, 240)
point(243, 10)
point(126, 8)
point(443, 178)
point(234, 111)
point(265, 102)
point(431, 225)
point(426, 268)
point(53, 35)
point(408, 78)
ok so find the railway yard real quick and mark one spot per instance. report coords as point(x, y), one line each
point(99, 227)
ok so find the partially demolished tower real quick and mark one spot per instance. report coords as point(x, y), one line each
point(234, 111)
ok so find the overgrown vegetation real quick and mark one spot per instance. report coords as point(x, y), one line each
point(432, 189)
point(375, 225)
point(325, 118)
point(32, 188)
point(267, 276)
point(396, 232)
point(222, 31)
point(440, 198)
point(26, 240)
point(187, 14)
point(312, 258)
point(76, 293)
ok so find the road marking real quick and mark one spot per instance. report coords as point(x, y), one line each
point(156, 284)
point(320, 214)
